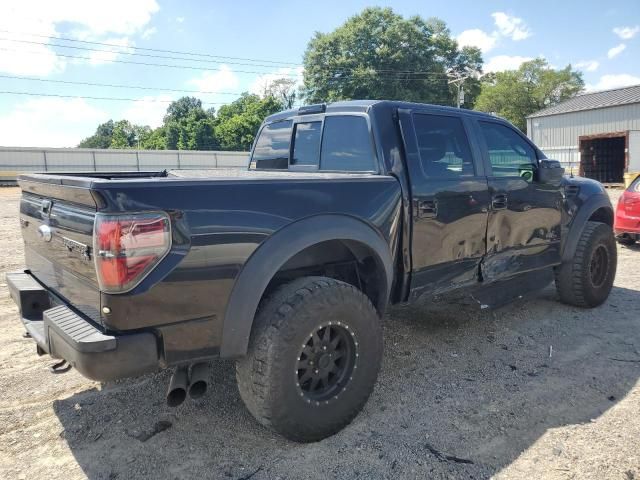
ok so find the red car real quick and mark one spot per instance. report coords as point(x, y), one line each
point(627, 223)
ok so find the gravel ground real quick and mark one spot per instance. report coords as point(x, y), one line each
point(463, 393)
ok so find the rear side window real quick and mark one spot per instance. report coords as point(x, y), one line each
point(509, 154)
point(272, 146)
point(306, 146)
point(346, 145)
point(443, 145)
point(635, 185)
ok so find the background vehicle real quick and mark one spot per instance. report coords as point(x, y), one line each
point(627, 221)
point(289, 266)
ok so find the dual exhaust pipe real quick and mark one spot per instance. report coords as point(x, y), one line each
point(182, 382)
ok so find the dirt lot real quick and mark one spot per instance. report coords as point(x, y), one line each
point(463, 393)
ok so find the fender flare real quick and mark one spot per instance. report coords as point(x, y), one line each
point(274, 252)
point(587, 209)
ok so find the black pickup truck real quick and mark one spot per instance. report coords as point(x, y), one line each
point(288, 266)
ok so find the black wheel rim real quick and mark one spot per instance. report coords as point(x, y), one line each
point(599, 266)
point(326, 363)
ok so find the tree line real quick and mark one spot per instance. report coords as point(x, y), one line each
point(377, 54)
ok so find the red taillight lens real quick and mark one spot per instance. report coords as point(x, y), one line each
point(127, 247)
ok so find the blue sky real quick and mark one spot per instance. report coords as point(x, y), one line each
point(602, 39)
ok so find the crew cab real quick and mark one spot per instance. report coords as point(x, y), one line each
point(288, 266)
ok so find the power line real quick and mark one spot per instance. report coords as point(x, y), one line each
point(390, 72)
point(166, 57)
point(115, 85)
point(189, 67)
point(400, 76)
point(67, 39)
point(86, 97)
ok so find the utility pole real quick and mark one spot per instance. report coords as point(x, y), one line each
point(457, 78)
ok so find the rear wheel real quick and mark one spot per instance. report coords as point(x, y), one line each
point(586, 280)
point(313, 359)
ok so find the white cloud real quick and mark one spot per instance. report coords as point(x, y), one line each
point(607, 82)
point(148, 33)
point(261, 83)
point(500, 63)
point(626, 33)
point(49, 122)
point(477, 38)
point(83, 19)
point(510, 26)
point(42, 61)
point(507, 26)
point(148, 110)
point(180, 19)
point(588, 65)
point(223, 79)
point(615, 51)
point(100, 58)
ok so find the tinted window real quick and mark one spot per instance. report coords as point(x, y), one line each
point(443, 145)
point(510, 155)
point(272, 147)
point(306, 147)
point(346, 145)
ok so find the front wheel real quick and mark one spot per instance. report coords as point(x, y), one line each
point(586, 280)
point(313, 359)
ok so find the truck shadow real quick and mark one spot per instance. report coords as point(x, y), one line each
point(461, 394)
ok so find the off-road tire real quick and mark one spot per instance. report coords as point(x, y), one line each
point(268, 376)
point(578, 283)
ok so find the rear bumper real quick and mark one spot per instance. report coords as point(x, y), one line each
point(625, 223)
point(63, 333)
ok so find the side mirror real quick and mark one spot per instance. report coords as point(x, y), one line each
point(550, 171)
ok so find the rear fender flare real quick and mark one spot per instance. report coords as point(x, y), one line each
point(274, 252)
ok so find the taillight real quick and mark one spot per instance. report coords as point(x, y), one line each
point(127, 247)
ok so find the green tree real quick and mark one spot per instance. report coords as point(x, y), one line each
point(515, 94)
point(379, 54)
point(188, 126)
point(123, 135)
point(237, 123)
point(100, 139)
point(282, 89)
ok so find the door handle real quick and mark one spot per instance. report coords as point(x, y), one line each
point(499, 201)
point(427, 209)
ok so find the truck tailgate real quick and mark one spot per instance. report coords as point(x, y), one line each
point(57, 228)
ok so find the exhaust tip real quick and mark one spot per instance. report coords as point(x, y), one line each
point(197, 389)
point(176, 396)
point(198, 380)
point(177, 392)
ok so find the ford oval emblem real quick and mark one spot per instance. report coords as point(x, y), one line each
point(45, 232)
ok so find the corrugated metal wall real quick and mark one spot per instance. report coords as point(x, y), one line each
point(557, 135)
point(15, 160)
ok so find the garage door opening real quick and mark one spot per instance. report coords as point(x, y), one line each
point(603, 157)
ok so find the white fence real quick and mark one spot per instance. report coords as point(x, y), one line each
point(16, 160)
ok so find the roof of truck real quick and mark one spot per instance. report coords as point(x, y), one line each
point(365, 105)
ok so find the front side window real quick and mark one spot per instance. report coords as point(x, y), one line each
point(443, 145)
point(306, 146)
point(272, 146)
point(509, 154)
point(346, 145)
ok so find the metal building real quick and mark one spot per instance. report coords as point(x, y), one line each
point(596, 135)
